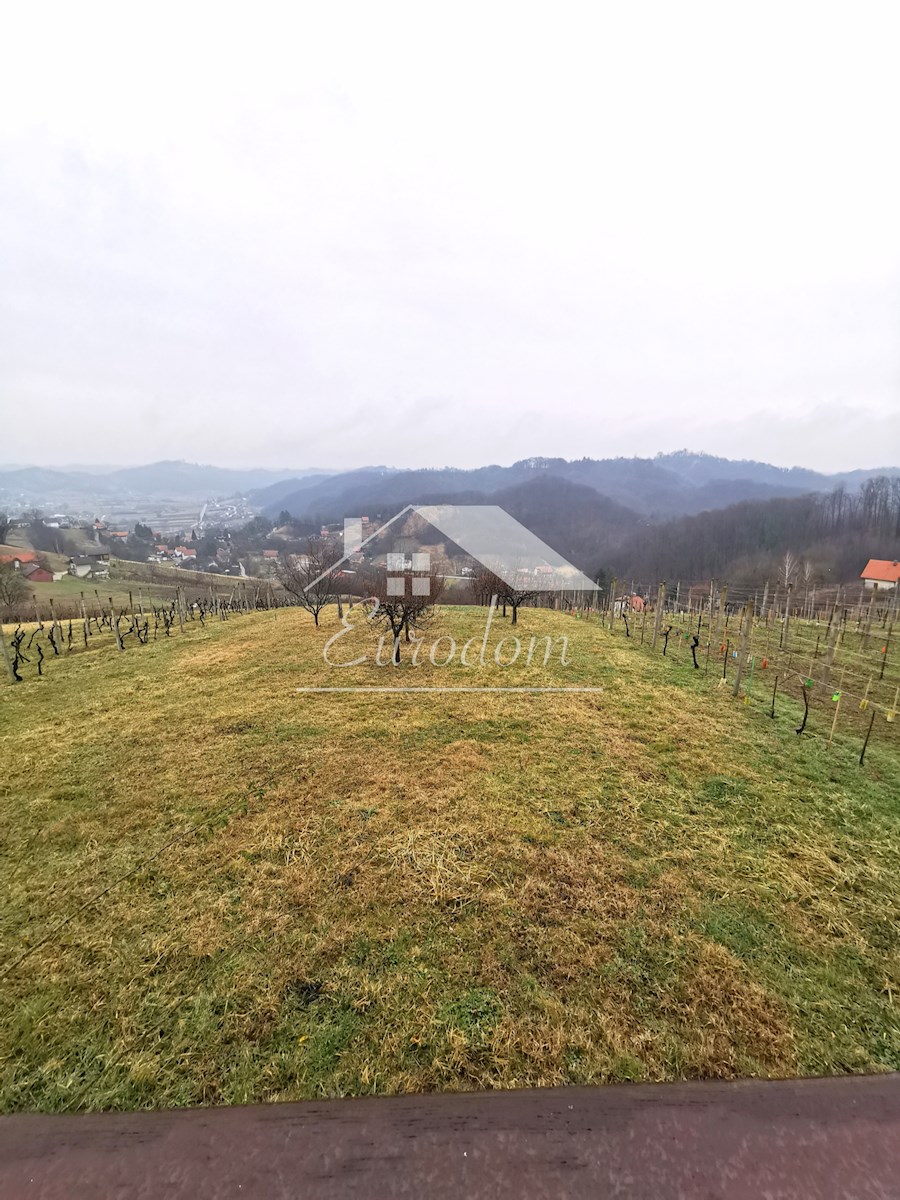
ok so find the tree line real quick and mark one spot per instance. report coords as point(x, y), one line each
point(835, 533)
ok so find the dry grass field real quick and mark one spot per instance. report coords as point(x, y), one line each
point(219, 890)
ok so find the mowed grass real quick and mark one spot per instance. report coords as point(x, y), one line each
point(402, 892)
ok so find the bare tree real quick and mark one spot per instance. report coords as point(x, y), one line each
point(311, 577)
point(787, 568)
point(13, 589)
point(406, 601)
point(5, 525)
point(486, 585)
point(524, 591)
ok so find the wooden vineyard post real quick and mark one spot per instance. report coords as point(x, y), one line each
point(868, 735)
point(4, 650)
point(84, 619)
point(612, 603)
point(868, 629)
point(114, 621)
point(837, 708)
point(660, 604)
point(721, 615)
point(743, 652)
point(885, 648)
point(833, 635)
point(785, 628)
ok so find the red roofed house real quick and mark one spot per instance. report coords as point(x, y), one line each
point(35, 573)
point(270, 553)
point(19, 560)
point(184, 552)
point(881, 573)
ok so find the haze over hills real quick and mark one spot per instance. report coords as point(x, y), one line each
point(682, 514)
point(668, 485)
point(665, 486)
point(173, 479)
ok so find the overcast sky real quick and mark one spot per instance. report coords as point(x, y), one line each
point(426, 234)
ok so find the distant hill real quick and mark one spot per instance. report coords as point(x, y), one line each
point(171, 480)
point(669, 485)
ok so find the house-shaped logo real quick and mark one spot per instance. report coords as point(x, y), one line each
point(483, 532)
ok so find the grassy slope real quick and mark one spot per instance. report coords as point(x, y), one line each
point(429, 892)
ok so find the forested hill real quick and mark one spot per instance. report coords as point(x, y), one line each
point(835, 532)
point(681, 515)
point(668, 485)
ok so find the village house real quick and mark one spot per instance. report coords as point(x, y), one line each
point(100, 563)
point(881, 573)
point(19, 560)
point(81, 566)
point(35, 573)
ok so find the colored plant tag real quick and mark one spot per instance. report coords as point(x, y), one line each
point(808, 683)
point(836, 696)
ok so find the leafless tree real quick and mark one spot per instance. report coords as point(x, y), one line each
point(311, 577)
point(523, 591)
point(787, 568)
point(486, 585)
point(13, 589)
point(406, 601)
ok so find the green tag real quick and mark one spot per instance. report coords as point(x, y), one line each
point(808, 683)
point(836, 696)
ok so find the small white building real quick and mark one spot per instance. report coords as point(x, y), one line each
point(881, 573)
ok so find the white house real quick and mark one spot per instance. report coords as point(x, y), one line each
point(881, 573)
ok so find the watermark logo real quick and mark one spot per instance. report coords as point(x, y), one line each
point(398, 586)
